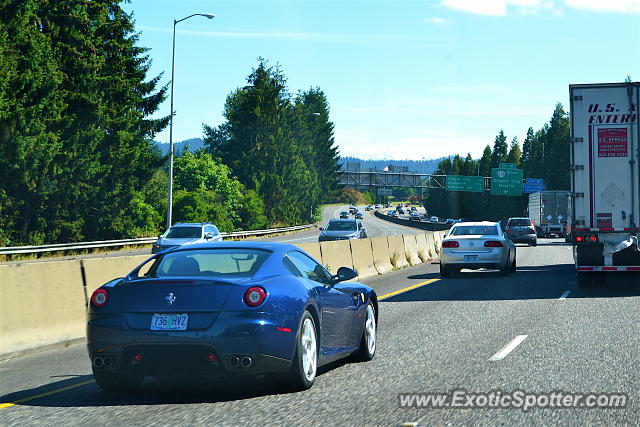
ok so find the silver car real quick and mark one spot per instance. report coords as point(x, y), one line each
point(477, 245)
point(181, 233)
point(343, 229)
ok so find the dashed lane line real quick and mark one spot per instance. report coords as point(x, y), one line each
point(504, 352)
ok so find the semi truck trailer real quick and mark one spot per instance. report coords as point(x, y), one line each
point(605, 180)
point(550, 211)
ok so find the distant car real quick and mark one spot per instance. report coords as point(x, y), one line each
point(368, 208)
point(358, 215)
point(392, 213)
point(477, 245)
point(344, 215)
point(343, 229)
point(450, 221)
point(181, 233)
point(400, 211)
point(225, 310)
point(522, 230)
point(503, 224)
point(353, 210)
point(413, 209)
point(434, 219)
point(406, 205)
point(414, 216)
point(378, 206)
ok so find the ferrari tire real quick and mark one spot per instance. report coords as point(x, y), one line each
point(113, 382)
point(305, 359)
point(367, 349)
point(513, 264)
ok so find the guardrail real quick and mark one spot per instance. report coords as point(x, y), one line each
point(416, 224)
point(60, 247)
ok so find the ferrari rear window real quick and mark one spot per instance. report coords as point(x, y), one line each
point(226, 262)
point(474, 230)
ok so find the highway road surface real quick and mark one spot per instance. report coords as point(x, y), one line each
point(533, 331)
point(375, 226)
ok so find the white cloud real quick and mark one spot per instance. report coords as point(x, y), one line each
point(621, 6)
point(485, 7)
point(498, 7)
point(438, 21)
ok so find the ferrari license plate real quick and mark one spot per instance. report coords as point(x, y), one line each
point(470, 258)
point(169, 322)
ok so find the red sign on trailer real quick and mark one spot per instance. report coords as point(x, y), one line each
point(612, 142)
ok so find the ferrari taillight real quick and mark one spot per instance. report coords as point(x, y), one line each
point(254, 296)
point(450, 244)
point(492, 244)
point(99, 297)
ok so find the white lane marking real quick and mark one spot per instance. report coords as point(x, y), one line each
point(565, 294)
point(508, 348)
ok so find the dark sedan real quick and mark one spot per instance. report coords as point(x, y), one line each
point(228, 308)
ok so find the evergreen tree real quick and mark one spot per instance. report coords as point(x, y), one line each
point(515, 154)
point(485, 161)
point(556, 153)
point(500, 149)
point(527, 153)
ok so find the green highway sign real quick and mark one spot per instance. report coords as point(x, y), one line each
point(506, 182)
point(507, 165)
point(465, 183)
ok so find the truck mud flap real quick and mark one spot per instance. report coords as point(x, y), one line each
point(590, 254)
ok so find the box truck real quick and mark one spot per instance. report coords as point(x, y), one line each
point(550, 212)
point(605, 179)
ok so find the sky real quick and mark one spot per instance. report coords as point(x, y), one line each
point(404, 79)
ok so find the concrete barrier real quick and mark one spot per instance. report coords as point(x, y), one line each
point(40, 304)
point(336, 254)
point(423, 247)
point(437, 237)
point(397, 252)
point(411, 249)
point(312, 249)
point(98, 271)
point(431, 245)
point(362, 255)
point(381, 256)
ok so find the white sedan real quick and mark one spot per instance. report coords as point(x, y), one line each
point(476, 245)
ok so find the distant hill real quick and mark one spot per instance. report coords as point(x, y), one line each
point(420, 166)
point(194, 144)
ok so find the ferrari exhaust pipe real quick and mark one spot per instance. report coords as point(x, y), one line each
point(98, 362)
point(107, 361)
point(234, 361)
point(246, 362)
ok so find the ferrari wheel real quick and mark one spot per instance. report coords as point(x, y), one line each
point(305, 359)
point(368, 342)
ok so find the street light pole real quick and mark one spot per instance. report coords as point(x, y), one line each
point(173, 61)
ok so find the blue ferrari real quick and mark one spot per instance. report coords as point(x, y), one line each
point(224, 308)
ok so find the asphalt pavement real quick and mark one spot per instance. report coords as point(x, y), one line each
point(533, 331)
